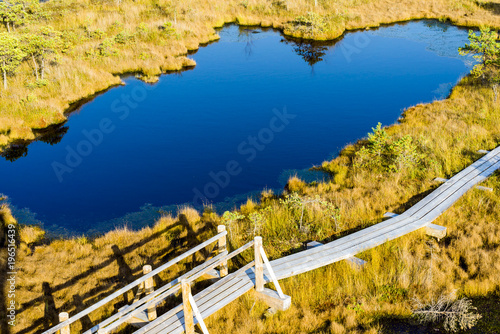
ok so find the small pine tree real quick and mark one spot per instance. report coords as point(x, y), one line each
point(18, 12)
point(40, 46)
point(485, 50)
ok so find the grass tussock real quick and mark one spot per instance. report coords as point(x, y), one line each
point(151, 37)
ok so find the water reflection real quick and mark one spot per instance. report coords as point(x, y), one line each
point(312, 53)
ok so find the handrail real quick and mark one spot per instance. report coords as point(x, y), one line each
point(225, 258)
point(133, 284)
point(168, 289)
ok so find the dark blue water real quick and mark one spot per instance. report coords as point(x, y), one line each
point(256, 109)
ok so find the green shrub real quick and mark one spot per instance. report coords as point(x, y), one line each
point(386, 154)
point(124, 37)
point(106, 48)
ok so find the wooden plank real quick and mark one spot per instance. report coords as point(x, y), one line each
point(466, 173)
point(133, 284)
point(484, 188)
point(449, 201)
point(483, 151)
point(332, 247)
point(460, 187)
point(348, 252)
point(63, 316)
point(148, 289)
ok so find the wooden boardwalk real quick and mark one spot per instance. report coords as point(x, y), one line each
point(234, 285)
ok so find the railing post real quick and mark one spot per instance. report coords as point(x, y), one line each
point(186, 304)
point(63, 316)
point(148, 288)
point(259, 267)
point(222, 247)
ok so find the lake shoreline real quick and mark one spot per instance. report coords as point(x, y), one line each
point(183, 63)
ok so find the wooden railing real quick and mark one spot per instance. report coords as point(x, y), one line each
point(182, 283)
point(145, 283)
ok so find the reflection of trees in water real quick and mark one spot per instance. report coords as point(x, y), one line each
point(15, 151)
point(312, 53)
point(55, 136)
point(248, 35)
point(51, 136)
point(442, 26)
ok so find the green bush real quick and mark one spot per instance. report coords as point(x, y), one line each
point(106, 48)
point(124, 37)
point(386, 154)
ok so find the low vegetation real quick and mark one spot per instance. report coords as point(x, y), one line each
point(58, 52)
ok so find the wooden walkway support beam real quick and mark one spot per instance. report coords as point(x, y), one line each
point(149, 288)
point(259, 266)
point(222, 248)
point(186, 306)
point(356, 263)
point(63, 316)
point(436, 231)
point(313, 244)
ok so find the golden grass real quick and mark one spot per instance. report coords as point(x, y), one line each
point(154, 51)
